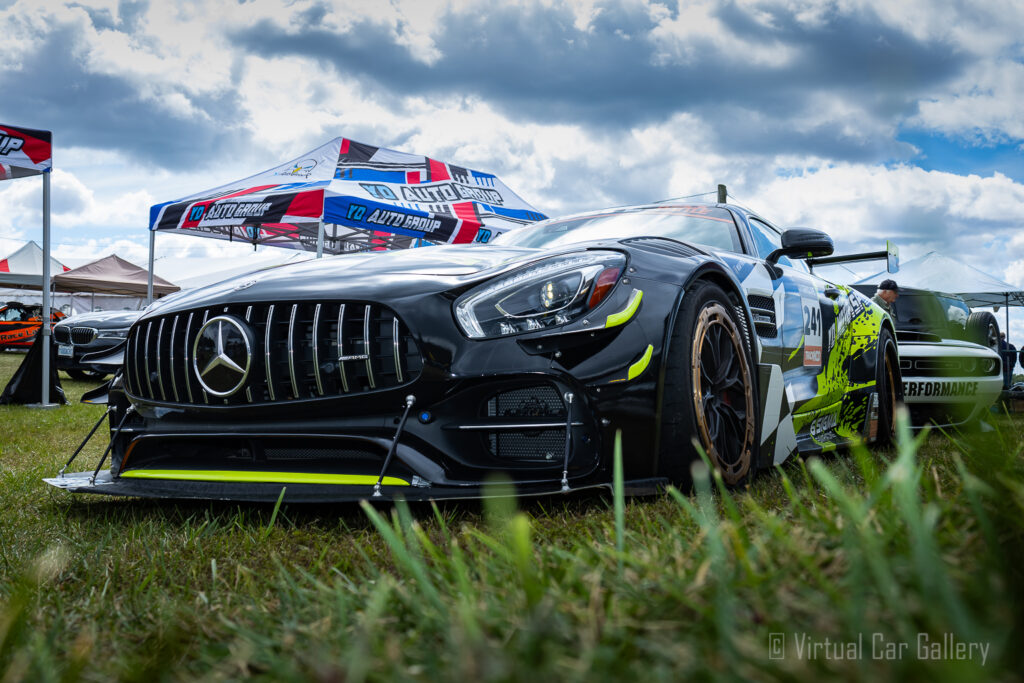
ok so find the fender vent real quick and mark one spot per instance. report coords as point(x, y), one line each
point(763, 310)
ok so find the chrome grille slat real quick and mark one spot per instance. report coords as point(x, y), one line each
point(366, 346)
point(206, 397)
point(291, 351)
point(159, 367)
point(149, 383)
point(266, 349)
point(188, 366)
point(316, 350)
point(137, 370)
point(174, 379)
point(341, 347)
point(394, 342)
point(375, 352)
point(248, 319)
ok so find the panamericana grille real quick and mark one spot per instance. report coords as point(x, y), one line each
point(302, 350)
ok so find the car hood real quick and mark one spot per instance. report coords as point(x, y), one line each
point(102, 319)
point(390, 274)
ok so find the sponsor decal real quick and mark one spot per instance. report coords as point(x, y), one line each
point(849, 310)
point(823, 428)
point(940, 389)
point(301, 169)
point(9, 143)
point(482, 235)
point(448, 192)
point(812, 331)
point(397, 219)
point(229, 210)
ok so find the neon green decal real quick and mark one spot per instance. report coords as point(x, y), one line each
point(638, 367)
point(626, 313)
point(242, 476)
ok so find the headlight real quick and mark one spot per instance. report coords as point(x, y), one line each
point(990, 365)
point(114, 334)
point(551, 293)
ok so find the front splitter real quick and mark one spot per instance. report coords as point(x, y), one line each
point(106, 484)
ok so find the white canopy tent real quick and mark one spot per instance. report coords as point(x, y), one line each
point(944, 274)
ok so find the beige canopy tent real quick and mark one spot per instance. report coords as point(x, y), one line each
point(112, 275)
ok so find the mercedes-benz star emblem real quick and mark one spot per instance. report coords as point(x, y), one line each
point(222, 355)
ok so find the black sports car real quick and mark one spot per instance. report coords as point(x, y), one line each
point(425, 372)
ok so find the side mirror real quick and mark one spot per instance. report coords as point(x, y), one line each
point(802, 243)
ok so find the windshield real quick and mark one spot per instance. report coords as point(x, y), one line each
point(702, 225)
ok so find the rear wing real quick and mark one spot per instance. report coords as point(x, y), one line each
point(891, 256)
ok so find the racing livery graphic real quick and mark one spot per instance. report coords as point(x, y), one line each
point(358, 192)
point(422, 373)
point(20, 323)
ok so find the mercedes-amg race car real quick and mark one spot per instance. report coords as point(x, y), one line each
point(424, 373)
point(19, 324)
point(951, 370)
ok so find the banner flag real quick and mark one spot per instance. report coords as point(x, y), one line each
point(24, 152)
point(366, 196)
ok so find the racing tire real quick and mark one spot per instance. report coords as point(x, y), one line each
point(983, 328)
point(709, 395)
point(889, 385)
point(86, 375)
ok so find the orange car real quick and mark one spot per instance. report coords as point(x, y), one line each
point(19, 323)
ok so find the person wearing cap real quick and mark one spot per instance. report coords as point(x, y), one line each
point(887, 292)
point(1008, 352)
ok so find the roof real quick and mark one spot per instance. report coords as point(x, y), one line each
point(112, 275)
point(23, 268)
point(941, 273)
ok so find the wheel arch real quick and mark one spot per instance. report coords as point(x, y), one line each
point(716, 273)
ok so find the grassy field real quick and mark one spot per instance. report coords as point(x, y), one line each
point(886, 550)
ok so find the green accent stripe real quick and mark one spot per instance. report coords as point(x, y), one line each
point(244, 477)
point(797, 349)
point(636, 368)
point(623, 316)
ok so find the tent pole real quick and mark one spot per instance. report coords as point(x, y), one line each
point(149, 282)
point(46, 290)
point(1007, 295)
point(320, 240)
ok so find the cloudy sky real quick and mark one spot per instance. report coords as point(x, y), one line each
point(871, 119)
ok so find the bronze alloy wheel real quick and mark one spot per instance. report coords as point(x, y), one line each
point(723, 393)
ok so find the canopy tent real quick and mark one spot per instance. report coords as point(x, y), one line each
point(23, 269)
point(944, 274)
point(349, 196)
point(26, 152)
point(112, 275)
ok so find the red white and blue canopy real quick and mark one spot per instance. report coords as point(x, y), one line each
point(363, 196)
point(24, 151)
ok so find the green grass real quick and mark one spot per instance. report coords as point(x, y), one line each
point(927, 540)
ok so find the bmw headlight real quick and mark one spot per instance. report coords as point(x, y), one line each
point(548, 294)
point(114, 334)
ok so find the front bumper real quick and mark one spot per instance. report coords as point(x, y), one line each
point(948, 384)
point(483, 410)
